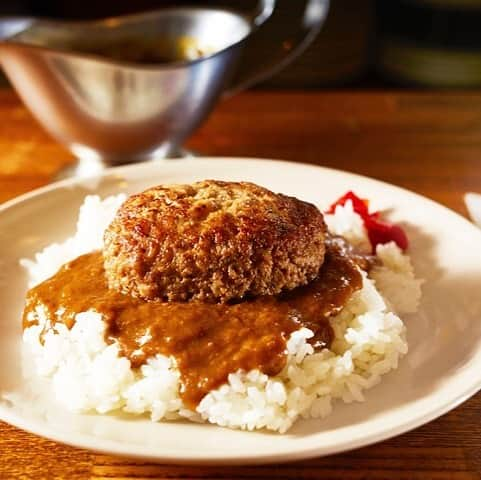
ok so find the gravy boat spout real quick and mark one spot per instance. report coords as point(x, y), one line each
point(133, 88)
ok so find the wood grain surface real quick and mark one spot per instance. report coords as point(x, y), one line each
point(427, 142)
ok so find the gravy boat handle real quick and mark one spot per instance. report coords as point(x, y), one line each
point(296, 37)
point(10, 26)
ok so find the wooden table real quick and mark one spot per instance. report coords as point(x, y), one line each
point(427, 142)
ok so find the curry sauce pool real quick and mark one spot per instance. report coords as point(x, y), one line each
point(208, 340)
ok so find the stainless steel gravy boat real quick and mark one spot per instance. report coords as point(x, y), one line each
point(108, 111)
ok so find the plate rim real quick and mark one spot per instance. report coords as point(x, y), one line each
point(192, 457)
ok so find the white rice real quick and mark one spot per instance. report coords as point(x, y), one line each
point(89, 375)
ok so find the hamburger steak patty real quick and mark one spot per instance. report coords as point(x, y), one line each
point(212, 241)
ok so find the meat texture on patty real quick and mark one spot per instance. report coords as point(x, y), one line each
point(212, 241)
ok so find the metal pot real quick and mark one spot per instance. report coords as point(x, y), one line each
point(109, 111)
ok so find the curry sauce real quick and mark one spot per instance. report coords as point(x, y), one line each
point(207, 340)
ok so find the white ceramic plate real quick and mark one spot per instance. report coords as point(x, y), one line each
point(441, 370)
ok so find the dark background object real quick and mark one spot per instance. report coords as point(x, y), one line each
point(365, 43)
point(430, 43)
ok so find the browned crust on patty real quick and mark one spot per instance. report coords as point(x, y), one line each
point(212, 241)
